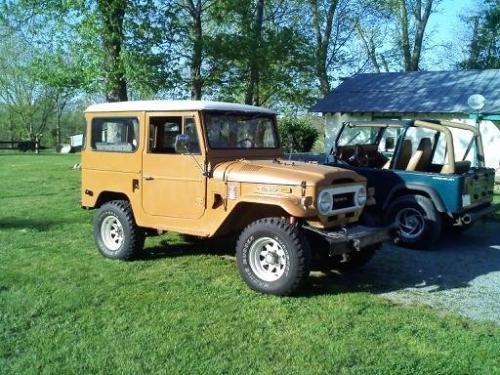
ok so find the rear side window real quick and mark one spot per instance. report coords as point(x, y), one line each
point(120, 134)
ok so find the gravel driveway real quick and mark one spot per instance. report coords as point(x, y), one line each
point(461, 275)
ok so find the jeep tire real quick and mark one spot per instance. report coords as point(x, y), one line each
point(418, 221)
point(115, 231)
point(273, 256)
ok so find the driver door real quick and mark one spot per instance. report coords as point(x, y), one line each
point(173, 184)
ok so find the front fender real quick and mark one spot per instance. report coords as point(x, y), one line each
point(292, 205)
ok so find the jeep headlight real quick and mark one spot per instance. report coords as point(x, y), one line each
point(361, 196)
point(325, 202)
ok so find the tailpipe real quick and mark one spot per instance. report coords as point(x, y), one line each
point(466, 219)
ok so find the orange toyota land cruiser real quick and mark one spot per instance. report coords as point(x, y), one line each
point(212, 169)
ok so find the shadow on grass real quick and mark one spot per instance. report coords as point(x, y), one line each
point(36, 224)
point(167, 249)
point(455, 263)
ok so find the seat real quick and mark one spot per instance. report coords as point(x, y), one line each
point(421, 158)
point(405, 154)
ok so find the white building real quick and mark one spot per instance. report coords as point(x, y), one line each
point(417, 95)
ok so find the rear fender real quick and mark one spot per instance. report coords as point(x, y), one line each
point(403, 189)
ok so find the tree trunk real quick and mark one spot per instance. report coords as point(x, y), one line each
point(60, 109)
point(112, 14)
point(322, 42)
point(197, 55)
point(411, 56)
point(420, 24)
point(369, 46)
point(405, 39)
point(252, 92)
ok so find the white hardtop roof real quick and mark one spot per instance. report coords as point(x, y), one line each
point(174, 105)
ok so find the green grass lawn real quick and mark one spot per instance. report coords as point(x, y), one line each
point(183, 308)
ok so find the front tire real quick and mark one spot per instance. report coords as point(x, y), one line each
point(417, 219)
point(273, 256)
point(115, 231)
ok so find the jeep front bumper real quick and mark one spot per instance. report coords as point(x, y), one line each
point(355, 237)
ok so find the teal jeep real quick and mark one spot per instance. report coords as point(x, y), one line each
point(422, 177)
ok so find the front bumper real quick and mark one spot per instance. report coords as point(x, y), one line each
point(355, 237)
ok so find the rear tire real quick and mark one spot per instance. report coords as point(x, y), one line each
point(116, 234)
point(418, 221)
point(273, 256)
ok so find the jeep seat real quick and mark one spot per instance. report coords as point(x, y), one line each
point(405, 155)
point(420, 160)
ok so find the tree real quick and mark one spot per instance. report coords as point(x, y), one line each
point(297, 134)
point(411, 45)
point(28, 103)
point(323, 36)
point(191, 28)
point(265, 56)
point(484, 46)
point(409, 20)
point(112, 14)
point(372, 25)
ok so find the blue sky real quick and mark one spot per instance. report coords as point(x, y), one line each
point(446, 21)
point(446, 33)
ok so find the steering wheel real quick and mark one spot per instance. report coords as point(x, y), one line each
point(360, 157)
point(245, 142)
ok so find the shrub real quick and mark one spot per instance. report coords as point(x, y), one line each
point(297, 134)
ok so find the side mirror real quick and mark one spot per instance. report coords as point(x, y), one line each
point(182, 143)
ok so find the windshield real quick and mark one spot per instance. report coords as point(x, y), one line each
point(240, 130)
point(358, 135)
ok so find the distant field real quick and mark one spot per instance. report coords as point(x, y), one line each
point(183, 308)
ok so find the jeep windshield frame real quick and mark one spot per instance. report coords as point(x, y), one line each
point(241, 131)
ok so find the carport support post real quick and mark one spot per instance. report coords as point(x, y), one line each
point(478, 126)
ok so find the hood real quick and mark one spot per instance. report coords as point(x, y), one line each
point(282, 172)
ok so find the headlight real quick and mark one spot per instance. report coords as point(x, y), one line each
point(325, 202)
point(361, 196)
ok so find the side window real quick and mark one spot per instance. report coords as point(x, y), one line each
point(118, 134)
point(388, 141)
point(162, 133)
point(190, 130)
point(164, 130)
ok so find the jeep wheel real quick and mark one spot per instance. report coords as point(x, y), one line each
point(417, 219)
point(273, 256)
point(116, 234)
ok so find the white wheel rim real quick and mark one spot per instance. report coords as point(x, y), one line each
point(112, 233)
point(267, 259)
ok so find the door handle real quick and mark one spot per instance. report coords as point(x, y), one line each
point(148, 178)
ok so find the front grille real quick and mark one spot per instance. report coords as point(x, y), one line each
point(344, 200)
